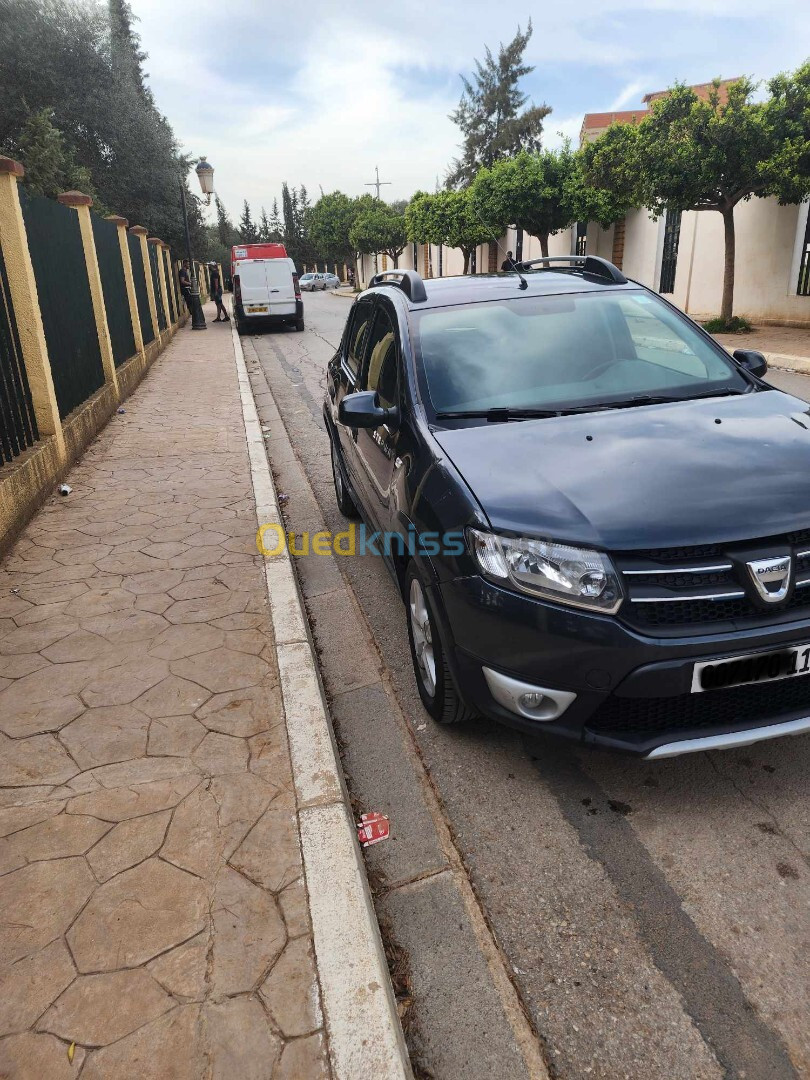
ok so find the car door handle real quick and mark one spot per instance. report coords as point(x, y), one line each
point(274, 290)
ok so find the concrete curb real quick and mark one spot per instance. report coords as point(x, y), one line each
point(801, 364)
point(364, 1034)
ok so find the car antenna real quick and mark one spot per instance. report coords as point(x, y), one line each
point(523, 282)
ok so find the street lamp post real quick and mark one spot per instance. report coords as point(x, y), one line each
point(205, 174)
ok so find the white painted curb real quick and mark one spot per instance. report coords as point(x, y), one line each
point(364, 1034)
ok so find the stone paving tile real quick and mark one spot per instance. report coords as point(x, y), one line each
point(152, 901)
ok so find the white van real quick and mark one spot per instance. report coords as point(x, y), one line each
point(266, 291)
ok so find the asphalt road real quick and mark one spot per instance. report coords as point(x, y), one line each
point(653, 918)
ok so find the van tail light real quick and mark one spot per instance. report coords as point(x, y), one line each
point(237, 289)
point(297, 287)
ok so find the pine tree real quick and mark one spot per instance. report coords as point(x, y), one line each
point(226, 233)
point(264, 227)
point(491, 113)
point(248, 233)
point(50, 166)
point(275, 223)
point(126, 55)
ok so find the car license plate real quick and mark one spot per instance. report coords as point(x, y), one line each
point(754, 668)
point(255, 309)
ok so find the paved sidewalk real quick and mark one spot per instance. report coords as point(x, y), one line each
point(152, 905)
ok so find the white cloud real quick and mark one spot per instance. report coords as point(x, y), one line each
point(321, 93)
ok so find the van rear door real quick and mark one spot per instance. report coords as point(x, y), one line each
point(280, 286)
point(253, 286)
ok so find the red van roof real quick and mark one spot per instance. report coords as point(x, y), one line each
point(258, 251)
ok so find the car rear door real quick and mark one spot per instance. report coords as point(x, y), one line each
point(280, 286)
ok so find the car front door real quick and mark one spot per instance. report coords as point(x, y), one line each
point(376, 448)
point(345, 370)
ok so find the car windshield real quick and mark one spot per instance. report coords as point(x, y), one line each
point(307, 277)
point(566, 351)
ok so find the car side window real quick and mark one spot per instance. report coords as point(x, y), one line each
point(381, 360)
point(358, 329)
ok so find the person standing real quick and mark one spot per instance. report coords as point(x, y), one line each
point(216, 293)
point(508, 263)
point(184, 277)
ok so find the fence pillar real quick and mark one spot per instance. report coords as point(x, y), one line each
point(81, 204)
point(23, 288)
point(165, 254)
point(140, 232)
point(121, 223)
point(158, 245)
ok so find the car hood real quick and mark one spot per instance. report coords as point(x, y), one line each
point(680, 474)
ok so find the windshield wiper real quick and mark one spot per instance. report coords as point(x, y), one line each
point(652, 399)
point(498, 415)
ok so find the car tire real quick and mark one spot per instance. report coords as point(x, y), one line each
point(342, 497)
point(434, 680)
point(299, 326)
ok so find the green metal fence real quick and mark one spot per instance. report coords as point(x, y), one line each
point(18, 425)
point(114, 287)
point(167, 271)
point(60, 270)
point(141, 295)
point(153, 266)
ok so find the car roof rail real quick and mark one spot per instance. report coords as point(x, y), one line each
point(409, 281)
point(591, 264)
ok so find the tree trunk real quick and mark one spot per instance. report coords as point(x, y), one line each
point(544, 245)
point(466, 252)
point(727, 306)
point(395, 258)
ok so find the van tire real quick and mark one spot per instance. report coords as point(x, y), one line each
point(299, 325)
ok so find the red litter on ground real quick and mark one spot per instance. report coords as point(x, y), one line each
point(372, 828)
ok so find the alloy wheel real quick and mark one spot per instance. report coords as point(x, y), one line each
point(422, 637)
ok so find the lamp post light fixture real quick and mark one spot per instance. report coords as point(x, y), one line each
point(205, 174)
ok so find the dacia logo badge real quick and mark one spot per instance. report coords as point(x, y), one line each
point(771, 577)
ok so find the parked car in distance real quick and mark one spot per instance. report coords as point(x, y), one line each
point(266, 292)
point(312, 282)
point(598, 519)
point(331, 281)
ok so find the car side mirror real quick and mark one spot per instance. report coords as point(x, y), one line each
point(752, 361)
point(363, 410)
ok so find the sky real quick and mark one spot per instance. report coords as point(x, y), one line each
point(321, 92)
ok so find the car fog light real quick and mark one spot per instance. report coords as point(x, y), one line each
point(531, 701)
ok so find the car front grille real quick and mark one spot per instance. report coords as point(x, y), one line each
point(671, 589)
point(742, 705)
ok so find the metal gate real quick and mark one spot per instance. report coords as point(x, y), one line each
point(669, 261)
point(18, 425)
point(153, 266)
point(803, 284)
point(114, 287)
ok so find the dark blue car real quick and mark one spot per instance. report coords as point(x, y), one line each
point(598, 519)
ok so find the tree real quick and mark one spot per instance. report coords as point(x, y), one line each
point(275, 223)
point(531, 191)
point(82, 62)
point(50, 165)
point(696, 154)
point(226, 233)
point(380, 230)
point(330, 225)
point(248, 233)
point(448, 217)
point(491, 113)
point(264, 227)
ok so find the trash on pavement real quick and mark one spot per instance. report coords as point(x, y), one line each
point(121, 411)
point(65, 489)
point(283, 498)
point(71, 1052)
point(372, 828)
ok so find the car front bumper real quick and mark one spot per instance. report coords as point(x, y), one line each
point(633, 692)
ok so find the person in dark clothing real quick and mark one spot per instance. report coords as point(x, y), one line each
point(184, 277)
point(216, 293)
point(508, 263)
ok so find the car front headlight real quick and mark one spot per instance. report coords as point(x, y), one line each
point(571, 575)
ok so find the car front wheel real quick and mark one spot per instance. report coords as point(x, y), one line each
point(433, 678)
